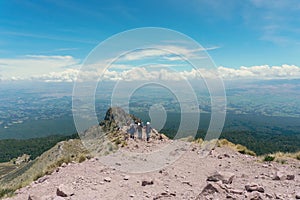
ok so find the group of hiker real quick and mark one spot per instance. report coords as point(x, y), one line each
point(138, 127)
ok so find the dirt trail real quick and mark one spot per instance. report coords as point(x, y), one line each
point(223, 174)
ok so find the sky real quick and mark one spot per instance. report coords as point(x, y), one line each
point(49, 40)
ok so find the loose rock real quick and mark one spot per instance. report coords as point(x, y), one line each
point(210, 189)
point(64, 191)
point(144, 183)
point(254, 187)
point(225, 177)
point(107, 179)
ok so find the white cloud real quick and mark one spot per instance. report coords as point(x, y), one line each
point(35, 65)
point(168, 52)
point(261, 72)
point(151, 74)
point(66, 68)
point(69, 75)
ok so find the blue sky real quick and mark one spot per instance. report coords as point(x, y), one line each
point(246, 33)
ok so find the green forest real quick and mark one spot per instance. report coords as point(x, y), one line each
point(13, 148)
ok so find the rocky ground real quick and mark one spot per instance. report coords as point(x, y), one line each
point(223, 174)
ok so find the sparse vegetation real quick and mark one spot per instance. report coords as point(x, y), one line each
point(63, 152)
point(82, 158)
point(11, 148)
point(6, 192)
point(237, 147)
point(281, 157)
point(269, 158)
point(124, 143)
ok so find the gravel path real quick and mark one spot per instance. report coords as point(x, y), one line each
point(223, 174)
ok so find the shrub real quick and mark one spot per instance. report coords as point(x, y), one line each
point(81, 158)
point(269, 158)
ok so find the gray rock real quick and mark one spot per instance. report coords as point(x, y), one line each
point(42, 179)
point(254, 187)
point(298, 195)
point(32, 197)
point(144, 183)
point(225, 177)
point(269, 195)
point(255, 196)
point(279, 176)
point(235, 191)
point(210, 189)
point(165, 195)
point(107, 179)
point(64, 191)
point(290, 177)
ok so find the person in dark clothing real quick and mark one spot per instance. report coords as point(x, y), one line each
point(148, 130)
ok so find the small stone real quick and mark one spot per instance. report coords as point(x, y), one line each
point(254, 187)
point(290, 177)
point(225, 177)
point(107, 179)
point(230, 196)
point(298, 195)
point(255, 196)
point(144, 183)
point(187, 182)
point(63, 165)
point(131, 195)
point(269, 195)
point(279, 176)
point(240, 192)
point(209, 189)
point(126, 178)
point(43, 179)
point(32, 197)
point(64, 191)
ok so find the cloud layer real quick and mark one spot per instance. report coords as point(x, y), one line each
point(35, 65)
point(142, 73)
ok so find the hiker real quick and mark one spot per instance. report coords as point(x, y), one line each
point(148, 130)
point(132, 130)
point(139, 129)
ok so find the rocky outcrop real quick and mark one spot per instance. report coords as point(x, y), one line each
point(115, 118)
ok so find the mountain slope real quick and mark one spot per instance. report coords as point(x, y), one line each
point(192, 176)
